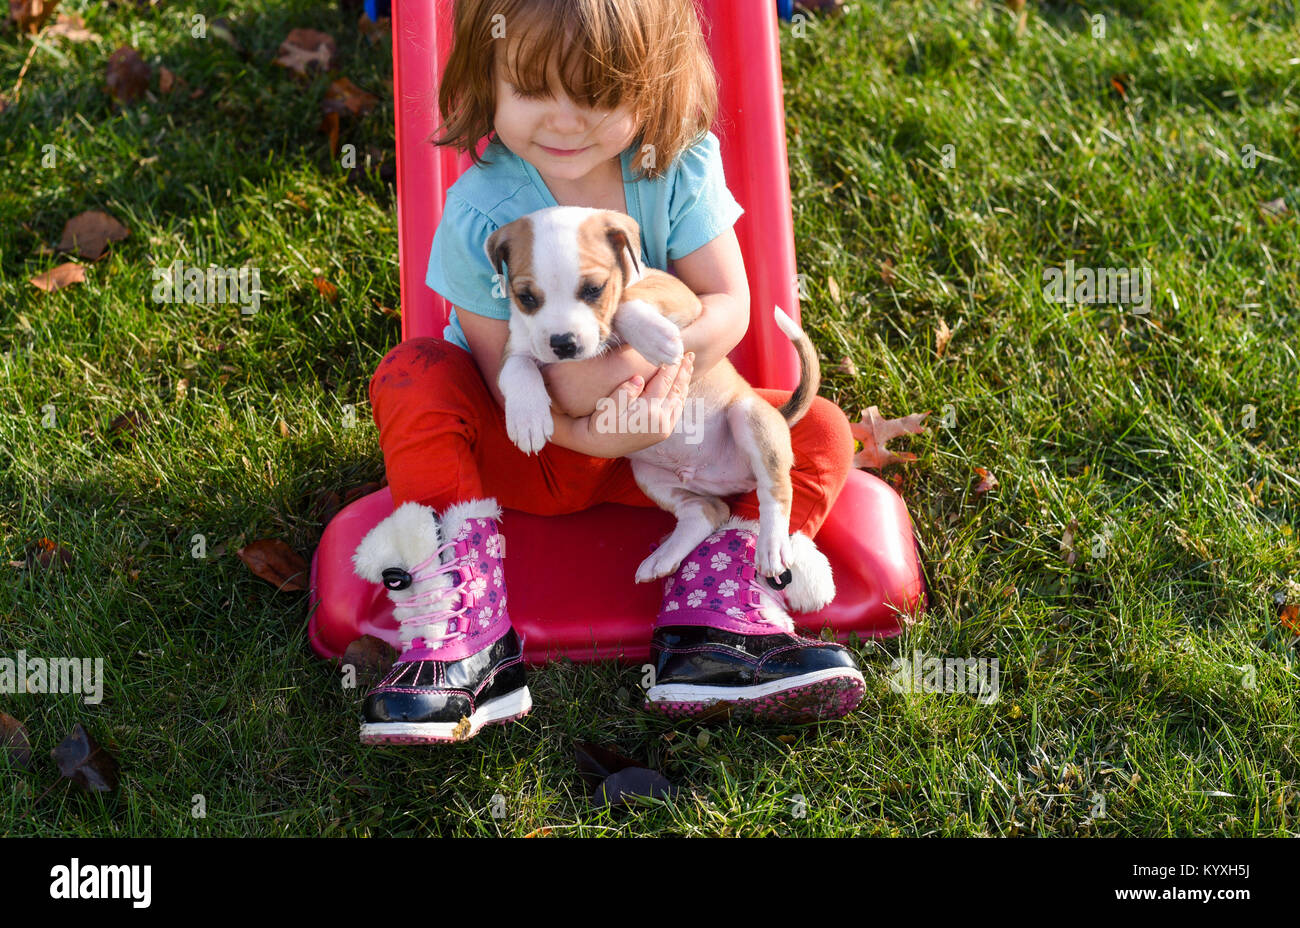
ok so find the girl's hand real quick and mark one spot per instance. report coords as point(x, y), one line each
point(576, 387)
point(637, 415)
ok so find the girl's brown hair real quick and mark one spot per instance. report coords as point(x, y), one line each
point(647, 54)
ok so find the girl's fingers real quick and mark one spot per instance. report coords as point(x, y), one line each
point(661, 383)
point(632, 386)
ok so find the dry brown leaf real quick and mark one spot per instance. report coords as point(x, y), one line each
point(166, 80)
point(275, 562)
point(875, 432)
point(85, 763)
point(89, 233)
point(1273, 210)
point(304, 48)
point(1289, 616)
point(13, 739)
point(30, 15)
point(343, 96)
point(987, 481)
point(887, 272)
point(124, 426)
point(329, 124)
point(284, 429)
point(326, 289)
point(46, 553)
point(127, 75)
point(372, 657)
point(73, 28)
point(57, 278)
point(1067, 542)
point(834, 289)
point(942, 335)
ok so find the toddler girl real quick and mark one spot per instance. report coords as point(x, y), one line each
point(605, 105)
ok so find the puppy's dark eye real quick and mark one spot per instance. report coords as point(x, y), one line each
point(592, 292)
point(528, 301)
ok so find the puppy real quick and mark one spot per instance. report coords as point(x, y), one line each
point(577, 288)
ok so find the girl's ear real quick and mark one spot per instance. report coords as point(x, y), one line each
point(624, 237)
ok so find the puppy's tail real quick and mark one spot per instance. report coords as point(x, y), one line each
point(810, 370)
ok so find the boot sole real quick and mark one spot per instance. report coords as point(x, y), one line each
point(497, 711)
point(812, 697)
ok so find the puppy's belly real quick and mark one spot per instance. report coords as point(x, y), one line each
point(713, 466)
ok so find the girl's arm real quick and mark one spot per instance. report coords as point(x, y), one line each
point(716, 274)
point(487, 341)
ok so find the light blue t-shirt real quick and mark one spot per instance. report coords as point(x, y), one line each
point(685, 209)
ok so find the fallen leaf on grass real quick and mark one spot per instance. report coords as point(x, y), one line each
point(124, 426)
point(85, 763)
point(875, 432)
point(596, 763)
point(56, 278)
point(372, 657)
point(887, 272)
point(127, 76)
point(72, 27)
point(343, 96)
point(326, 289)
point(30, 15)
point(615, 780)
point(46, 553)
point(987, 481)
point(329, 124)
point(1289, 615)
point(166, 80)
point(89, 233)
point(304, 48)
point(942, 335)
point(1273, 210)
point(275, 562)
point(1067, 542)
point(13, 738)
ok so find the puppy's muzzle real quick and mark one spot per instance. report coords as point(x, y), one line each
point(565, 346)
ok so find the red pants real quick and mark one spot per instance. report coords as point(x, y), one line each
point(444, 441)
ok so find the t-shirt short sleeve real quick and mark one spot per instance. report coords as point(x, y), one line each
point(458, 267)
point(700, 207)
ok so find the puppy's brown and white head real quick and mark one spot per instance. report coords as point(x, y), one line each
point(565, 269)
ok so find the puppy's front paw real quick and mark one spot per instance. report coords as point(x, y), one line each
point(529, 424)
point(774, 554)
point(654, 337)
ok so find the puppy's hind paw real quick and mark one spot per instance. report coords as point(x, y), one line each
point(656, 566)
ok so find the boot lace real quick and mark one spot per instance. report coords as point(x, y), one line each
point(435, 596)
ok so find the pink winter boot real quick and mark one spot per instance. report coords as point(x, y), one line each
point(462, 663)
point(725, 644)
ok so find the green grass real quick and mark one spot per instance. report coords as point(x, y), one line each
point(1153, 676)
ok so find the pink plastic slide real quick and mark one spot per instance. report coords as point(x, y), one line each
point(593, 609)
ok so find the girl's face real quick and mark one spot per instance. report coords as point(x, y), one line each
point(563, 139)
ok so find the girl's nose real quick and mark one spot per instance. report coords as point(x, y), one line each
point(565, 116)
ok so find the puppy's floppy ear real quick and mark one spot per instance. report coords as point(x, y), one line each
point(624, 237)
point(497, 248)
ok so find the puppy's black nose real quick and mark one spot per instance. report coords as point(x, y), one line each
point(564, 346)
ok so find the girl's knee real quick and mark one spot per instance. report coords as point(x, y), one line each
point(417, 362)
